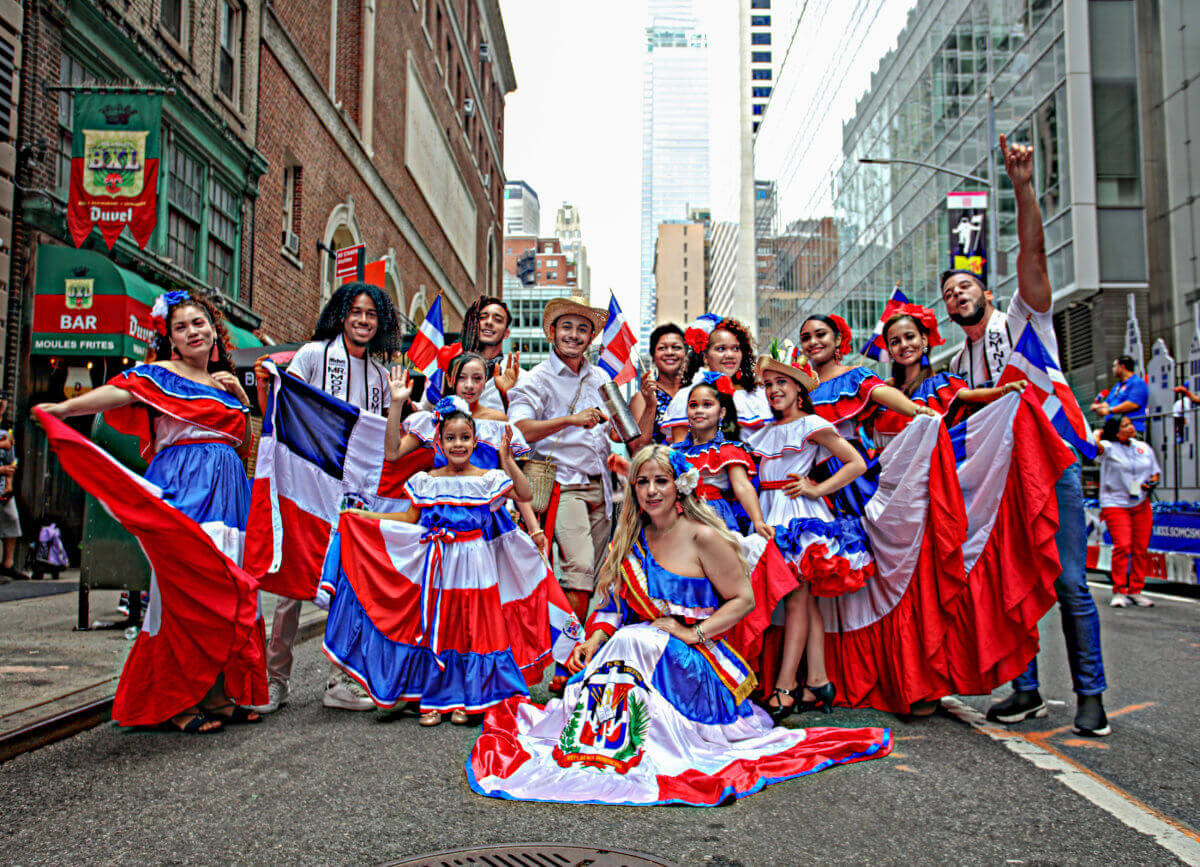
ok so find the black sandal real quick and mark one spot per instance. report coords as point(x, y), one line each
point(193, 725)
point(780, 711)
point(239, 716)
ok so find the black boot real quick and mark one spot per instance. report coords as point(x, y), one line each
point(1018, 707)
point(1090, 719)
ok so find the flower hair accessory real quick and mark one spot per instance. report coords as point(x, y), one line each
point(720, 381)
point(923, 315)
point(686, 476)
point(447, 405)
point(447, 354)
point(697, 334)
point(162, 307)
point(845, 345)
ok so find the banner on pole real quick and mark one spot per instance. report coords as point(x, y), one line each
point(1133, 337)
point(968, 232)
point(350, 263)
point(115, 148)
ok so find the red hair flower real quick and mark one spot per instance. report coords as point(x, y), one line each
point(697, 339)
point(447, 354)
point(845, 345)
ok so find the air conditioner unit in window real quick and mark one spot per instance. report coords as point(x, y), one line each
point(291, 243)
point(485, 52)
point(468, 106)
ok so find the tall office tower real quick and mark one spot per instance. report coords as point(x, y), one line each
point(522, 210)
point(675, 147)
point(568, 230)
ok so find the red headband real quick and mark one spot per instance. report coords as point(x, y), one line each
point(926, 317)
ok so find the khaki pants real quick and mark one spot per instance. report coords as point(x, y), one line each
point(284, 627)
point(582, 531)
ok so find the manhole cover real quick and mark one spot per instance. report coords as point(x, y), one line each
point(534, 855)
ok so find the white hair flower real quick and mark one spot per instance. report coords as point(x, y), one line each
point(685, 483)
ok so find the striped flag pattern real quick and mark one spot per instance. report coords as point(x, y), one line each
point(616, 346)
point(1029, 360)
point(874, 348)
point(423, 354)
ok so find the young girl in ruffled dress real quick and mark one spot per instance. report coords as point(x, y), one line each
point(446, 604)
point(830, 555)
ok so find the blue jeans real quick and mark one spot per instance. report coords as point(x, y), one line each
point(1080, 620)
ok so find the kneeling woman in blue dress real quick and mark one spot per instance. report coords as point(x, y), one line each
point(658, 709)
point(448, 604)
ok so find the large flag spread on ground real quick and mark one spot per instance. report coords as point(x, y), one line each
point(962, 531)
point(874, 348)
point(423, 353)
point(1030, 361)
point(317, 455)
point(202, 620)
point(616, 346)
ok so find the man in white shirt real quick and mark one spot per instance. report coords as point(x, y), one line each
point(357, 333)
point(557, 406)
point(991, 334)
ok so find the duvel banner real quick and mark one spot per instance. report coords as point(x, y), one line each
point(968, 232)
point(114, 164)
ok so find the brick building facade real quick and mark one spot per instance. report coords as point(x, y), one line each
point(382, 125)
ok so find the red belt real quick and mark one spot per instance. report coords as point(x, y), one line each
point(709, 492)
point(779, 485)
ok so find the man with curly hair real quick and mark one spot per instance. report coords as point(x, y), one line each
point(356, 336)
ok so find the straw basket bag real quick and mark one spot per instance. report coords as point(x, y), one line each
point(541, 473)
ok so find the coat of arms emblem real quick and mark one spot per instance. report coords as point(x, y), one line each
point(78, 292)
point(114, 162)
point(608, 725)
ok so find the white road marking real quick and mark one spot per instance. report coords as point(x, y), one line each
point(1091, 786)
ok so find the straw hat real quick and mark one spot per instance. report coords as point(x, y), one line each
point(799, 370)
point(575, 306)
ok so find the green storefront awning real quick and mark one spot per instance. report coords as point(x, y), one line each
point(241, 338)
point(85, 304)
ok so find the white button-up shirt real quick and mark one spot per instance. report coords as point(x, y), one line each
point(1123, 469)
point(551, 391)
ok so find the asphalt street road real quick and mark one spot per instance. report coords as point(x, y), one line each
point(313, 785)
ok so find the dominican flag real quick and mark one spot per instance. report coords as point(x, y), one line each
point(874, 348)
point(616, 346)
point(423, 353)
point(316, 456)
point(1030, 361)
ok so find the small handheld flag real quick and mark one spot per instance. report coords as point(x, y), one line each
point(874, 348)
point(423, 354)
point(616, 346)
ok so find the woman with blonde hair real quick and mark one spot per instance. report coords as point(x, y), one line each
point(658, 711)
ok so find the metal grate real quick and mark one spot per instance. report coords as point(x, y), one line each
point(533, 855)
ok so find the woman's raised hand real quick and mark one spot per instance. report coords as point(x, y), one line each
point(506, 452)
point(506, 378)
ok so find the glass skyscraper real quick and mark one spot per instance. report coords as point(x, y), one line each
point(675, 144)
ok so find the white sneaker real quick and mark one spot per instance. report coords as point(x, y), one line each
point(1141, 601)
point(1119, 600)
point(277, 697)
point(344, 693)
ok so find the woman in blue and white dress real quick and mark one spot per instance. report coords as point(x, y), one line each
point(658, 710)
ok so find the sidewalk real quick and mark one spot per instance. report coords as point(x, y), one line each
point(47, 668)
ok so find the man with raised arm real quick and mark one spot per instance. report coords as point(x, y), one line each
point(991, 335)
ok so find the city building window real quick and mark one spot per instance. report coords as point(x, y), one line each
point(760, 4)
point(70, 72)
point(292, 194)
point(754, 127)
point(173, 15)
point(758, 109)
point(761, 74)
point(760, 57)
point(761, 92)
point(183, 208)
point(229, 51)
point(760, 20)
point(223, 218)
point(760, 38)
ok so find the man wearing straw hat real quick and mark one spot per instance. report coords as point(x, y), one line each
point(557, 406)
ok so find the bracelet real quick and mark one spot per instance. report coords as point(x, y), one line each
point(700, 638)
point(538, 532)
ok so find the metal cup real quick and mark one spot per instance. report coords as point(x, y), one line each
point(618, 411)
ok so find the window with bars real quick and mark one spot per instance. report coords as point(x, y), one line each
point(223, 207)
point(229, 50)
point(184, 200)
point(70, 72)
